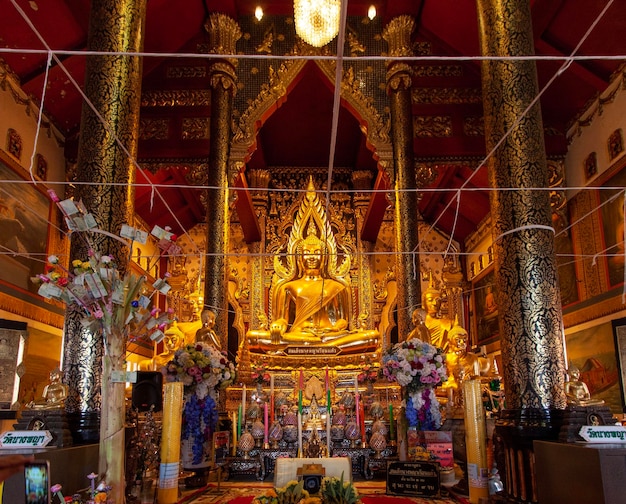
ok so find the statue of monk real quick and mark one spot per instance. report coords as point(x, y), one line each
point(54, 394)
point(437, 326)
point(311, 302)
point(577, 391)
point(419, 331)
point(207, 333)
point(462, 365)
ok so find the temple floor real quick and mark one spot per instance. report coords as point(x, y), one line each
point(243, 490)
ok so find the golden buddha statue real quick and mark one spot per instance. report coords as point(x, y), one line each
point(310, 296)
point(173, 340)
point(419, 331)
point(54, 394)
point(577, 391)
point(463, 365)
point(438, 326)
point(207, 333)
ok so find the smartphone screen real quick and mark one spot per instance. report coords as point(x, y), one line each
point(37, 478)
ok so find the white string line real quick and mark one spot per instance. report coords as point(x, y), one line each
point(492, 152)
point(106, 126)
point(314, 57)
point(39, 115)
point(335, 120)
point(333, 191)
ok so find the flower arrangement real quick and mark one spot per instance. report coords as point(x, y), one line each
point(337, 491)
point(292, 493)
point(202, 369)
point(260, 374)
point(418, 367)
point(368, 374)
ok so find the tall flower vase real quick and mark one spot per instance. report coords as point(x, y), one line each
point(111, 457)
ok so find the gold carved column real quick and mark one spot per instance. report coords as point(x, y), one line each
point(223, 35)
point(106, 174)
point(398, 36)
point(531, 325)
point(362, 182)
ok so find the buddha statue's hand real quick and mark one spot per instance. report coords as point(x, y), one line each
point(277, 329)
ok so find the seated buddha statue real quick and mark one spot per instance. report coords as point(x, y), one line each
point(577, 391)
point(311, 299)
point(206, 333)
point(54, 394)
point(437, 326)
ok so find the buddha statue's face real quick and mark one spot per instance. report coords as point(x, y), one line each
point(312, 255)
point(459, 342)
point(431, 302)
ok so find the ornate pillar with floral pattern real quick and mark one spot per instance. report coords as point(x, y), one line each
point(398, 35)
point(531, 325)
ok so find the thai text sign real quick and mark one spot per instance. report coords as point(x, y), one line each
point(603, 433)
point(25, 439)
point(413, 478)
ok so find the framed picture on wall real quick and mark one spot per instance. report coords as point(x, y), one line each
point(485, 327)
point(593, 351)
point(24, 223)
point(619, 333)
point(612, 216)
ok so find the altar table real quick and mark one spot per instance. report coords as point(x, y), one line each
point(286, 469)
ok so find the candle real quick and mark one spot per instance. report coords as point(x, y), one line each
point(391, 433)
point(300, 401)
point(170, 442)
point(301, 383)
point(243, 402)
point(362, 426)
point(328, 434)
point(234, 446)
point(327, 380)
point(357, 410)
point(356, 384)
point(265, 417)
point(299, 434)
point(476, 448)
point(272, 407)
point(271, 385)
point(239, 423)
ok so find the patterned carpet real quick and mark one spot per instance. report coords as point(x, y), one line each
point(242, 492)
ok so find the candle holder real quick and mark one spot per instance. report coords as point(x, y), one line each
point(258, 432)
point(352, 433)
point(246, 443)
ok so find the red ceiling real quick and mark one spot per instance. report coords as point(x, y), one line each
point(296, 133)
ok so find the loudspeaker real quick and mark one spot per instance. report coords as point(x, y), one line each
point(148, 391)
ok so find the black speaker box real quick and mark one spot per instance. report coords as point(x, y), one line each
point(148, 391)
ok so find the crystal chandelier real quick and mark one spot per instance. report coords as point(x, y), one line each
point(317, 21)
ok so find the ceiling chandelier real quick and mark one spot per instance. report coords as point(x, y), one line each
point(317, 21)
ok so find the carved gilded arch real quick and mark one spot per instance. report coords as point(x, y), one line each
point(272, 95)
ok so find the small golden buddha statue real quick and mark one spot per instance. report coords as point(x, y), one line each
point(462, 365)
point(54, 394)
point(419, 331)
point(207, 333)
point(314, 420)
point(311, 297)
point(438, 326)
point(577, 391)
point(173, 340)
